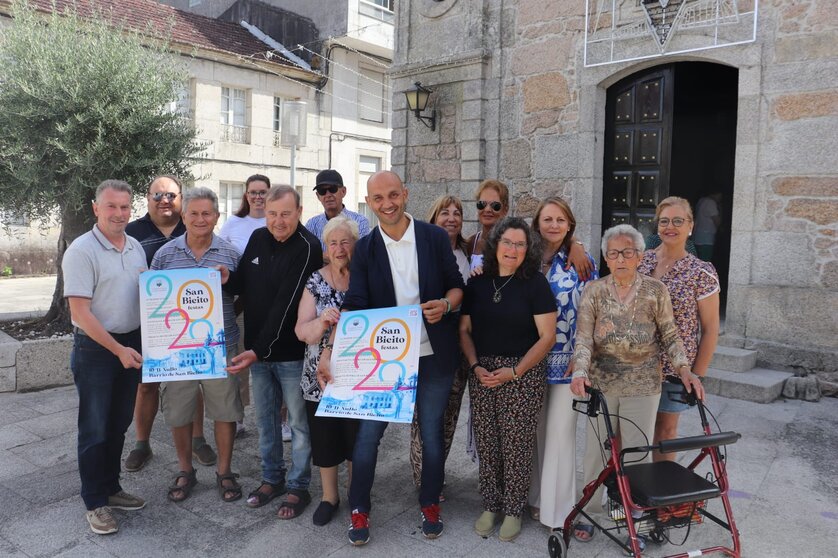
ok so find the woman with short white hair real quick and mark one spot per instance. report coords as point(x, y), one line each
point(625, 320)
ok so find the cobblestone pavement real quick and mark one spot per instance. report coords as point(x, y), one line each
point(783, 474)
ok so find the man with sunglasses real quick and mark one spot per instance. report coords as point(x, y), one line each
point(158, 226)
point(330, 191)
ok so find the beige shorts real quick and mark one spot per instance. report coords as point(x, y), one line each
point(222, 401)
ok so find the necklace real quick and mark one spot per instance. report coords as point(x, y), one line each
point(497, 297)
point(624, 339)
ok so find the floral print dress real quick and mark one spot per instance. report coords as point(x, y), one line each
point(324, 297)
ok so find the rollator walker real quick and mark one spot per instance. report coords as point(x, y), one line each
point(650, 499)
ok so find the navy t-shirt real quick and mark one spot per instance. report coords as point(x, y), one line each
point(506, 328)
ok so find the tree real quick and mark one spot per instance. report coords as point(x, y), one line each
point(84, 99)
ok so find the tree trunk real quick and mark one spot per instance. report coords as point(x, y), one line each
point(74, 223)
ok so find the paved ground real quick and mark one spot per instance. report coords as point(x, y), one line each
point(24, 295)
point(783, 473)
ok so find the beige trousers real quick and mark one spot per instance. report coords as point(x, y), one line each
point(642, 410)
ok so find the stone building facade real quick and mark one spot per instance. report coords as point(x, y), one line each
point(516, 100)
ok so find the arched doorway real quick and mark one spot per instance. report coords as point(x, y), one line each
point(671, 131)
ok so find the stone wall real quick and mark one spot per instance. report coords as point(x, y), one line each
point(514, 101)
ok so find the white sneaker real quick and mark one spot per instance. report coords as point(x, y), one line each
point(286, 432)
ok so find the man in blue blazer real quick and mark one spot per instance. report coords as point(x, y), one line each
point(404, 261)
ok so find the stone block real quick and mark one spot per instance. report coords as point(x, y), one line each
point(473, 90)
point(732, 359)
point(398, 119)
point(545, 91)
point(758, 385)
point(471, 130)
point(808, 46)
point(821, 212)
point(551, 54)
point(472, 150)
point(471, 110)
point(556, 156)
point(471, 170)
point(516, 159)
point(782, 258)
point(9, 347)
point(806, 388)
point(8, 378)
point(538, 11)
point(44, 363)
point(806, 105)
point(436, 170)
point(816, 186)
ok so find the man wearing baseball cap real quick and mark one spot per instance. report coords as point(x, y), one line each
point(330, 191)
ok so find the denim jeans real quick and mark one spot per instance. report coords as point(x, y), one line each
point(107, 392)
point(274, 382)
point(431, 400)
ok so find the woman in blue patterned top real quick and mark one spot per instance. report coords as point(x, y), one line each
point(553, 483)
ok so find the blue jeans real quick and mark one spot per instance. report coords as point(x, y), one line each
point(274, 382)
point(107, 392)
point(431, 400)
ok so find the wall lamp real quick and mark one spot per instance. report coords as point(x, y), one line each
point(417, 101)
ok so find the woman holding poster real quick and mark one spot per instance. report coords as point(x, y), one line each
point(332, 439)
point(507, 327)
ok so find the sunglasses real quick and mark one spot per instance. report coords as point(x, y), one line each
point(496, 206)
point(330, 189)
point(157, 196)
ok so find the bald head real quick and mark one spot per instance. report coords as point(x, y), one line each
point(164, 201)
point(387, 197)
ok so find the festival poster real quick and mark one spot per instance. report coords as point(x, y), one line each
point(375, 365)
point(182, 325)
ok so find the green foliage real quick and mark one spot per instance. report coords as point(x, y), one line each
point(7, 271)
point(84, 100)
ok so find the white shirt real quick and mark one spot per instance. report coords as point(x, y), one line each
point(237, 230)
point(404, 267)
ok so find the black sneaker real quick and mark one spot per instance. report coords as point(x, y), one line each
point(359, 528)
point(431, 521)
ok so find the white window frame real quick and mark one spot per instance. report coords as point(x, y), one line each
point(233, 115)
point(229, 199)
point(277, 120)
point(371, 87)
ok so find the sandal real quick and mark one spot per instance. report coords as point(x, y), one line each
point(180, 492)
point(257, 498)
point(231, 492)
point(298, 506)
point(585, 528)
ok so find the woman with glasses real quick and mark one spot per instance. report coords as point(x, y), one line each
point(507, 327)
point(251, 213)
point(332, 439)
point(693, 286)
point(237, 230)
point(492, 206)
point(625, 320)
point(553, 486)
point(446, 212)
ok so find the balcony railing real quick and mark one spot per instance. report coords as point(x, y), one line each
point(235, 134)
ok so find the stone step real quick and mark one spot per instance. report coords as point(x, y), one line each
point(758, 384)
point(733, 359)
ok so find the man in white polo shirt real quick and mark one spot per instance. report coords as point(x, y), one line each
point(101, 282)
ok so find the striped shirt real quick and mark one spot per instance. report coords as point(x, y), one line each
point(177, 255)
point(316, 224)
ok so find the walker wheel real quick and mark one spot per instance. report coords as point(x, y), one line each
point(656, 535)
point(556, 547)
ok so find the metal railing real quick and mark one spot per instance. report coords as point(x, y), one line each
point(235, 134)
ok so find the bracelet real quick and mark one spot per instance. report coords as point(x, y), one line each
point(447, 306)
point(473, 366)
point(579, 374)
point(329, 346)
point(515, 376)
point(579, 242)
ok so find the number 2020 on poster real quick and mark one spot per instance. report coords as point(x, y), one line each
point(182, 325)
point(375, 365)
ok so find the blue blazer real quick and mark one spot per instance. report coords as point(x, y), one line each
point(371, 283)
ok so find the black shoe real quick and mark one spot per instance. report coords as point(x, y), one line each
point(324, 513)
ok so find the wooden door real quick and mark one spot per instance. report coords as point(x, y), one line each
point(638, 135)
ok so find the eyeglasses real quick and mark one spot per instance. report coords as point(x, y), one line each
point(509, 244)
point(157, 196)
point(329, 189)
point(626, 253)
point(257, 193)
point(676, 222)
point(496, 206)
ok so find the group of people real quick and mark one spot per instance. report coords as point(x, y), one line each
point(516, 312)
